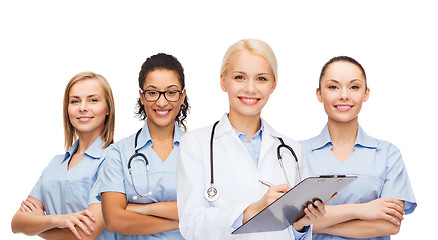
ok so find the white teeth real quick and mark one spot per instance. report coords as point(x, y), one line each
point(162, 112)
point(249, 100)
point(343, 107)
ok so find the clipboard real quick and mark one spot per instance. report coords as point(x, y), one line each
point(289, 208)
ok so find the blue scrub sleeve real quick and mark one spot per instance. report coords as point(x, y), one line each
point(238, 222)
point(93, 197)
point(37, 190)
point(111, 175)
point(302, 235)
point(397, 184)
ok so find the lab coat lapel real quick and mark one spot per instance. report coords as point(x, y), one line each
point(269, 138)
point(223, 127)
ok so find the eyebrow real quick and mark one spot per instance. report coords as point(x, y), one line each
point(333, 80)
point(154, 87)
point(246, 73)
point(89, 96)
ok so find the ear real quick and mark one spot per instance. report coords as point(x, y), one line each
point(367, 95)
point(184, 94)
point(319, 95)
point(141, 97)
point(274, 85)
point(223, 83)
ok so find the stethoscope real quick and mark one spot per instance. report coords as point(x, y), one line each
point(212, 194)
point(145, 159)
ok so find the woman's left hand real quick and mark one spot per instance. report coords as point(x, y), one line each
point(313, 212)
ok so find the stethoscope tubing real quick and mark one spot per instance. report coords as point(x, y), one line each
point(212, 194)
point(138, 154)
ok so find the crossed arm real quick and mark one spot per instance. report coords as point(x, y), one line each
point(31, 219)
point(376, 218)
point(137, 219)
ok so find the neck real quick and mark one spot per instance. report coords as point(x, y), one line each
point(86, 139)
point(160, 133)
point(248, 125)
point(343, 133)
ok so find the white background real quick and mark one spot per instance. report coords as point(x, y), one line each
point(44, 43)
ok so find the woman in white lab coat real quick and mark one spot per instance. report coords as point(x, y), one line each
point(244, 152)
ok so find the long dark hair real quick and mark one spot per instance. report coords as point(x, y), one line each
point(167, 62)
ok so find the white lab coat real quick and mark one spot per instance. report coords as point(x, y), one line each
point(235, 176)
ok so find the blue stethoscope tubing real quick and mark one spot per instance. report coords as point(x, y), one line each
point(143, 157)
point(212, 194)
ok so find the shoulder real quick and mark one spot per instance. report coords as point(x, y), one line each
point(287, 140)
point(305, 145)
point(57, 159)
point(199, 134)
point(380, 145)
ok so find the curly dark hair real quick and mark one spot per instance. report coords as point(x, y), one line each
point(167, 62)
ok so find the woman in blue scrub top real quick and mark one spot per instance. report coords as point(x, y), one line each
point(164, 105)
point(63, 203)
point(373, 206)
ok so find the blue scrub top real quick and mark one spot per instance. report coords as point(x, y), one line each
point(115, 177)
point(65, 191)
point(377, 163)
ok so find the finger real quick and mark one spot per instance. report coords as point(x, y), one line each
point(392, 220)
point(32, 201)
point(320, 207)
point(25, 207)
point(74, 231)
point(395, 214)
point(30, 205)
point(280, 188)
point(89, 214)
point(87, 221)
point(82, 226)
point(309, 213)
point(397, 207)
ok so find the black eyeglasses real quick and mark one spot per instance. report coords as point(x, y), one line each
point(169, 95)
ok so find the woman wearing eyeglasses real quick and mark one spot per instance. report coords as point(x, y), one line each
point(140, 203)
point(63, 204)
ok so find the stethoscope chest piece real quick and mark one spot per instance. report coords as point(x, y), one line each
point(211, 194)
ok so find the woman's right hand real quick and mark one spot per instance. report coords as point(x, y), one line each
point(389, 209)
point(270, 196)
point(83, 219)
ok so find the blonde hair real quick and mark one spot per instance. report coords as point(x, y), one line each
point(107, 134)
point(254, 46)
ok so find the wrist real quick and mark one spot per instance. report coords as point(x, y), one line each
point(147, 209)
point(298, 227)
point(356, 210)
point(250, 211)
point(52, 221)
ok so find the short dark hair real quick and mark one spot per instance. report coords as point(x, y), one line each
point(166, 62)
point(341, 59)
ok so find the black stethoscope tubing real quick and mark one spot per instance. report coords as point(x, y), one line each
point(147, 168)
point(211, 193)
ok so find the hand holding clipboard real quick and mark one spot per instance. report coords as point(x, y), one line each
point(281, 210)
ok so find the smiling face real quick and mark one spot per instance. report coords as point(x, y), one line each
point(162, 113)
point(343, 90)
point(249, 81)
point(87, 108)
